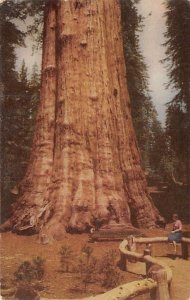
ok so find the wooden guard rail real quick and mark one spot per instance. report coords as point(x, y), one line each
point(146, 240)
point(156, 270)
point(159, 274)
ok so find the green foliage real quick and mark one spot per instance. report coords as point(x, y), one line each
point(108, 270)
point(18, 100)
point(18, 111)
point(38, 263)
point(178, 48)
point(26, 292)
point(144, 115)
point(11, 37)
point(23, 75)
point(21, 10)
point(175, 198)
point(177, 62)
point(66, 257)
point(30, 271)
point(35, 77)
point(178, 135)
point(87, 268)
point(87, 250)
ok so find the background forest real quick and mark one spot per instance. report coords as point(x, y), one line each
point(165, 151)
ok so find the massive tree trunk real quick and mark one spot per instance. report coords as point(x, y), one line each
point(84, 152)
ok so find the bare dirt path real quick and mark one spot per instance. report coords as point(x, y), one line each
point(16, 249)
point(181, 276)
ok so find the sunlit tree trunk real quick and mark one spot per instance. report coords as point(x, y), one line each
point(85, 153)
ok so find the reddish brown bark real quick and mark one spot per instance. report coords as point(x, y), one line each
point(85, 152)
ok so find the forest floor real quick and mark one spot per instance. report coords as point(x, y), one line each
point(57, 284)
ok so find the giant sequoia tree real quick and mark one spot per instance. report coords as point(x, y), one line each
point(84, 153)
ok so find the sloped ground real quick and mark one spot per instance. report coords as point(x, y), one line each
point(16, 249)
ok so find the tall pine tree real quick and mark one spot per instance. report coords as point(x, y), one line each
point(11, 37)
point(23, 75)
point(178, 67)
point(146, 124)
point(17, 103)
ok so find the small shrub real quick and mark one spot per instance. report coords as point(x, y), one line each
point(87, 250)
point(26, 292)
point(108, 270)
point(66, 257)
point(87, 268)
point(3, 283)
point(25, 272)
point(38, 263)
point(30, 271)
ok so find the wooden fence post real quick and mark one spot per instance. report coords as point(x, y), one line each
point(170, 290)
point(123, 262)
point(131, 247)
point(147, 251)
point(131, 243)
point(184, 248)
point(160, 276)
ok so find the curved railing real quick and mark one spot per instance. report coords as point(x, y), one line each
point(146, 258)
point(157, 270)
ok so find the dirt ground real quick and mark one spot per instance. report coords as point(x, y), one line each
point(16, 249)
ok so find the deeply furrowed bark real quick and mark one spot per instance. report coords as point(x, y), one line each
point(85, 152)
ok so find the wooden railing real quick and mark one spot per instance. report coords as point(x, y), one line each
point(157, 270)
point(133, 241)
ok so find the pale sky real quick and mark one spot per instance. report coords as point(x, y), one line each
point(151, 40)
